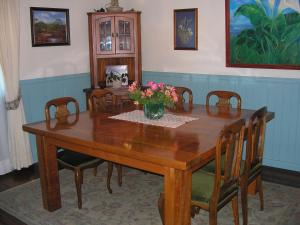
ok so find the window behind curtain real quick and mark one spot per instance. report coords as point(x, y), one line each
point(4, 155)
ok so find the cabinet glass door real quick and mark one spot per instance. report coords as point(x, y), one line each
point(124, 35)
point(105, 30)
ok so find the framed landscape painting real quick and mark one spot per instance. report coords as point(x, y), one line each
point(263, 33)
point(186, 29)
point(49, 26)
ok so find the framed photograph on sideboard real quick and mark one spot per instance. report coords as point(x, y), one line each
point(116, 73)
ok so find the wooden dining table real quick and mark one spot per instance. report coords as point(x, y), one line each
point(172, 152)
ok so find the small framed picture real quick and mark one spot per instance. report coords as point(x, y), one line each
point(49, 26)
point(186, 29)
point(116, 73)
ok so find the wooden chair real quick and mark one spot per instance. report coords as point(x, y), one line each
point(67, 159)
point(181, 91)
point(224, 98)
point(101, 100)
point(252, 166)
point(223, 109)
point(212, 191)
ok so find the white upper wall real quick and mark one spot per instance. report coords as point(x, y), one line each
point(158, 52)
point(36, 62)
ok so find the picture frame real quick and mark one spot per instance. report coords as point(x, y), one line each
point(116, 73)
point(49, 26)
point(186, 29)
point(263, 34)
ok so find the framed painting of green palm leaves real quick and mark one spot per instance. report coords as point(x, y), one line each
point(263, 33)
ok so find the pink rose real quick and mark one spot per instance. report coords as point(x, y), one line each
point(149, 83)
point(161, 85)
point(172, 89)
point(132, 87)
point(149, 92)
point(154, 86)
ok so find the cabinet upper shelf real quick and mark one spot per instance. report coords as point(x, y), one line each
point(114, 39)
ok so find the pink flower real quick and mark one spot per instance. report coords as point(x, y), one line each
point(155, 92)
point(154, 86)
point(149, 92)
point(132, 87)
point(161, 85)
point(149, 83)
point(172, 89)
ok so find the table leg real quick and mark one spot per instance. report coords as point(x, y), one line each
point(48, 174)
point(177, 189)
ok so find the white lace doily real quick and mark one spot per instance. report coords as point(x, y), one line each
point(168, 120)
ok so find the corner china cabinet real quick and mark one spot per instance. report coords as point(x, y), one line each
point(114, 39)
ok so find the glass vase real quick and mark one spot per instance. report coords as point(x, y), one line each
point(154, 111)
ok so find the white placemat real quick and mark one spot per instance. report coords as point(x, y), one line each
point(168, 120)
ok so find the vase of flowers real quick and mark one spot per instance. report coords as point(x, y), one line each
point(155, 97)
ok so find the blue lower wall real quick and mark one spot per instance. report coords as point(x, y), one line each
point(36, 92)
point(282, 96)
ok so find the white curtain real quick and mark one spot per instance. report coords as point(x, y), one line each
point(18, 141)
point(5, 165)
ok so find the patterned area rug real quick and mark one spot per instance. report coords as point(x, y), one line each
point(135, 203)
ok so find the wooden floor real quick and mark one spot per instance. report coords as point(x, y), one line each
point(13, 179)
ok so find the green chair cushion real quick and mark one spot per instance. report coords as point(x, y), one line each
point(202, 186)
point(74, 158)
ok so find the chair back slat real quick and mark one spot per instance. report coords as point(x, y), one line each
point(181, 92)
point(256, 138)
point(224, 98)
point(230, 143)
point(61, 108)
point(99, 100)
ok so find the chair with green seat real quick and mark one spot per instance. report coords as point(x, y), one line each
point(224, 98)
point(212, 191)
point(68, 159)
point(252, 166)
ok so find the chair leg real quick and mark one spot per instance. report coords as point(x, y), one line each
point(213, 216)
point(109, 174)
point(244, 200)
point(194, 210)
point(260, 191)
point(235, 210)
point(161, 206)
point(119, 169)
point(81, 175)
point(78, 180)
